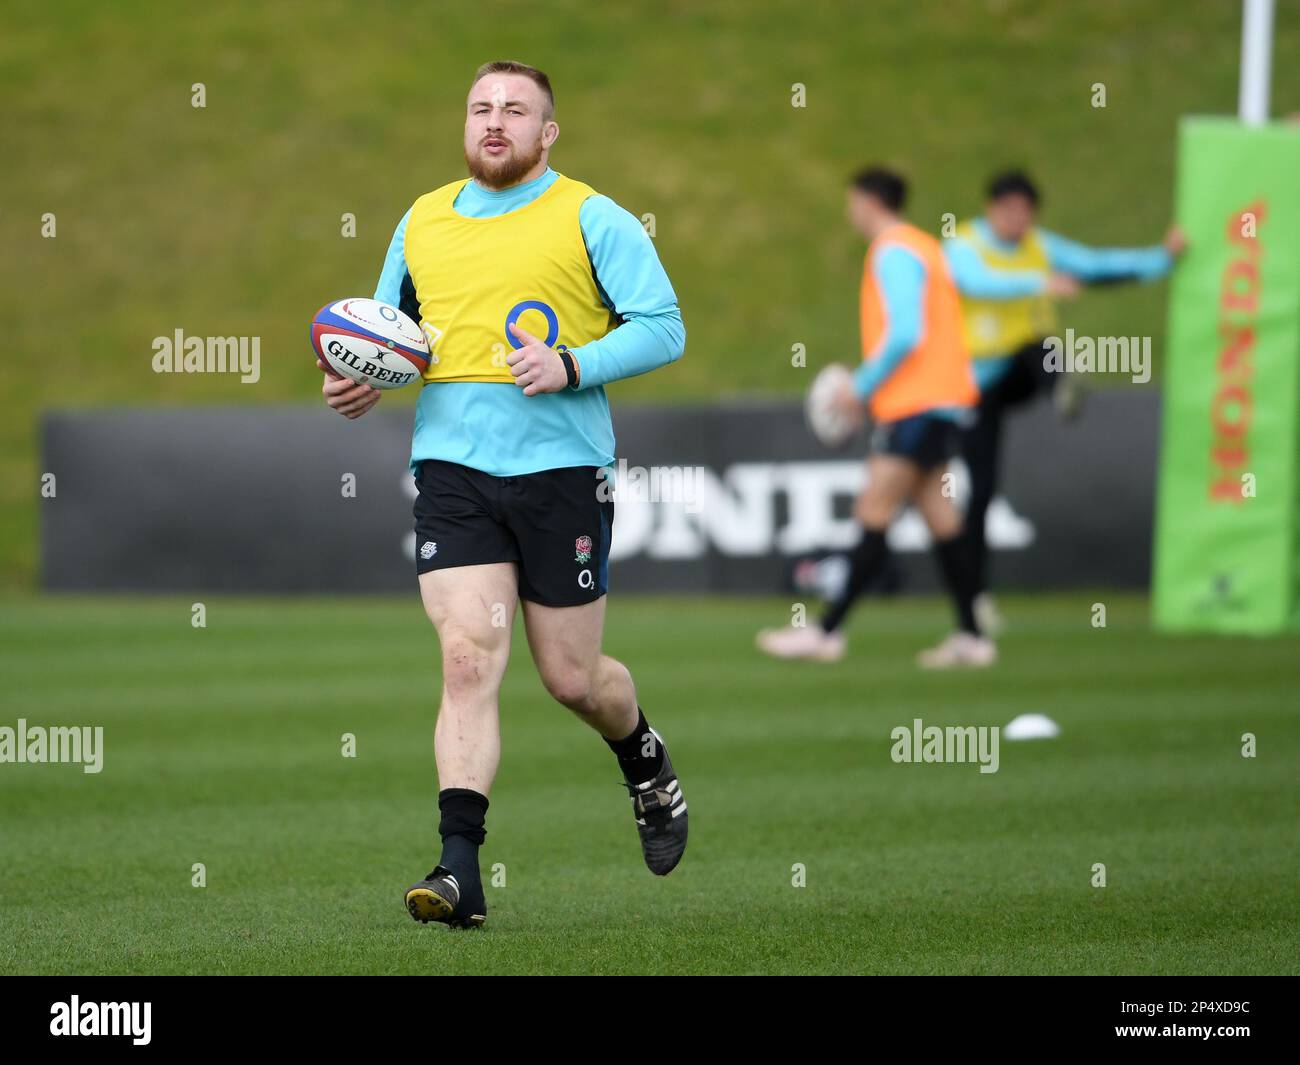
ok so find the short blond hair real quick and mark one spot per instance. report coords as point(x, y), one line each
point(537, 77)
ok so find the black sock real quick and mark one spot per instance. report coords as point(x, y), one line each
point(637, 766)
point(865, 563)
point(957, 567)
point(462, 831)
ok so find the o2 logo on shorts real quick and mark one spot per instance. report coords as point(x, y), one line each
point(552, 321)
point(586, 579)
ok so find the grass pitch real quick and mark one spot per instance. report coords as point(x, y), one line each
point(223, 746)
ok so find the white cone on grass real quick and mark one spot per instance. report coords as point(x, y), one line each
point(1031, 727)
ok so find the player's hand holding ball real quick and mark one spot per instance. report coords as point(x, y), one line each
point(845, 402)
point(366, 347)
point(536, 367)
point(833, 409)
point(346, 396)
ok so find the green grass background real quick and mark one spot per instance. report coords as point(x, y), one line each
point(222, 746)
point(226, 220)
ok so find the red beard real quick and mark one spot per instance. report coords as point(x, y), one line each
point(504, 171)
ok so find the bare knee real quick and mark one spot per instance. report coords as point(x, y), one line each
point(939, 511)
point(570, 684)
point(469, 668)
point(946, 525)
point(941, 517)
point(873, 511)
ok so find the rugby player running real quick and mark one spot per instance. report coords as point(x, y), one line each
point(535, 293)
point(916, 380)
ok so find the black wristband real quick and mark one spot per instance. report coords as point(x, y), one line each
point(570, 370)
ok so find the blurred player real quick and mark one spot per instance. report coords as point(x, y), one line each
point(916, 381)
point(510, 438)
point(1007, 318)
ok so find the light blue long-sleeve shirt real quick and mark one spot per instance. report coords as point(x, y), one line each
point(901, 279)
point(492, 426)
point(1096, 266)
point(975, 278)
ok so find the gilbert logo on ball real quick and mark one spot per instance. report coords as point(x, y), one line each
point(369, 342)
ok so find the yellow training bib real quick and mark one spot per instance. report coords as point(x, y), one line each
point(1000, 327)
point(474, 276)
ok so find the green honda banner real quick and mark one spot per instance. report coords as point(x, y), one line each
point(1227, 551)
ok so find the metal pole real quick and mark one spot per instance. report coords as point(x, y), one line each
point(1256, 61)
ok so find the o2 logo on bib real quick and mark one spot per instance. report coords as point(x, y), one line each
point(552, 322)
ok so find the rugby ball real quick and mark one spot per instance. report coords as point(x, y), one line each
point(829, 423)
point(369, 342)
